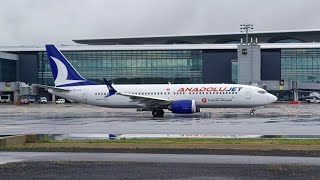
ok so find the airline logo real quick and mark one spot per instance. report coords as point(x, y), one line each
point(210, 89)
point(62, 74)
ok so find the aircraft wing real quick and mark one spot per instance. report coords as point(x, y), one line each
point(53, 88)
point(146, 100)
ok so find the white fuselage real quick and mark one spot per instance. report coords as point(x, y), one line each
point(205, 95)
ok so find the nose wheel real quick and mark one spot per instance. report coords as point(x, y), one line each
point(157, 112)
point(252, 112)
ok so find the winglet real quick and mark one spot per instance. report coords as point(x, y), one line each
point(112, 91)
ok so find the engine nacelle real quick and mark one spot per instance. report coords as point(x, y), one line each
point(184, 106)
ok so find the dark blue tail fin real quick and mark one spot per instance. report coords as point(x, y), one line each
point(64, 74)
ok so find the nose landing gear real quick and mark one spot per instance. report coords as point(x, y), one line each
point(157, 112)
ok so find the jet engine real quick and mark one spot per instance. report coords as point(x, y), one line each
point(184, 106)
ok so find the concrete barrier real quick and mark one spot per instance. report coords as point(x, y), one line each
point(13, 140)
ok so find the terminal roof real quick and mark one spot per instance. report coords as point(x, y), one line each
point(308, 35)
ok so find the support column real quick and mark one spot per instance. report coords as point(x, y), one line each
point(294, 87)
point(15, 96)
point(53, 98)
point(249, 64)
point(295, 95)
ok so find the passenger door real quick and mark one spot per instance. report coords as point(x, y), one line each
point(248, 93)
point(84, 95)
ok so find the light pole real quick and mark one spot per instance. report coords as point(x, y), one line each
point(246, 28)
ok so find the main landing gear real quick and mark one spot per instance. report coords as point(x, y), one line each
point(157, 112)
point(252, 112)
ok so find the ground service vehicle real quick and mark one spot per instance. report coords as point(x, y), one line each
point(43, 100)
point(24, 101)
point(313, 99)
point(5, 98)
point(60, 101)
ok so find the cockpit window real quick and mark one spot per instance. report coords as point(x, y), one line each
point(262, 92)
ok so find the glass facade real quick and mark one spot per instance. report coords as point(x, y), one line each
point(234, 71)
point(300, 65)
point(7, 70)
point(131, 67)
point(289, 41)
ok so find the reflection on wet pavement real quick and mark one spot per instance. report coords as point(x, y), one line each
point(78, 118)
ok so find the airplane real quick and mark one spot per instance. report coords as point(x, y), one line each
point(178, 98)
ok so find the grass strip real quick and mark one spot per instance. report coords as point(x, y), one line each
point(260, 141)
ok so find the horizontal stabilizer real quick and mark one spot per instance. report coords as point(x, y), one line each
point(51, 87)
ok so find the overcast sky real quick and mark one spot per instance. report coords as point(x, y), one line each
point(36, 22)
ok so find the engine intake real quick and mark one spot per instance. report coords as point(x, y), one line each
point(184, 106)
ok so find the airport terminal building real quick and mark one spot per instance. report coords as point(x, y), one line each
point(273, 59)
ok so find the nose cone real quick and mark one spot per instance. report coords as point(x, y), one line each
point(272, 98)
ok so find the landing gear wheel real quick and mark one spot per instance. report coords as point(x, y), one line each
point(157, 113)
point(252, 112)
point(161, 113)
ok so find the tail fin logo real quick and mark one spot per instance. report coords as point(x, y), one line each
point(62, 73)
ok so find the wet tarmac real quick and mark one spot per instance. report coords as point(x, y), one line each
point(6, 157)
point(276, 119)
